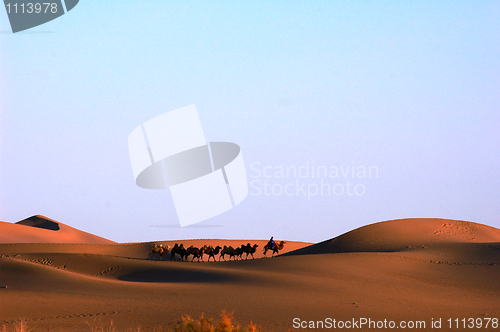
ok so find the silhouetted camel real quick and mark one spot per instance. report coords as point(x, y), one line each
point(211, 252)
point(227, 251)
point(179, 250)
point(277, 246)
point(197, 253)
point(248, 249)
point(239, 251)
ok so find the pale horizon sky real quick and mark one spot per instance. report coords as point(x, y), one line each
point(410, 88)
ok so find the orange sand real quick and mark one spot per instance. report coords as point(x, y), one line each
point(396, 270)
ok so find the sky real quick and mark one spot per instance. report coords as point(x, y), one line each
point(398, 101)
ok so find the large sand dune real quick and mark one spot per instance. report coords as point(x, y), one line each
point(405, 234)
point(413, 269)
point(40, 229)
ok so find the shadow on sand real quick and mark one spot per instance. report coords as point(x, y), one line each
point(178, 275)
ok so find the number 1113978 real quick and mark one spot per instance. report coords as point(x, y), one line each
point(32, 8)
point(473, 323)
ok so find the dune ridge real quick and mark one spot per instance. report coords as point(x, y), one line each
point(404, 234)
point(40, 222)
point(40, 229)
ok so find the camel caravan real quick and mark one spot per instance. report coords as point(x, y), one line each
point(178, 252)
point(159, 250)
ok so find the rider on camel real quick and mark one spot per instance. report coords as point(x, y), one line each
point(271, 243)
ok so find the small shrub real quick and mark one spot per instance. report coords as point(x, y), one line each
point(97, 326)
point(19, 326)
point(202, 324)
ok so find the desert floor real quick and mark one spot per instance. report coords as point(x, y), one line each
point(401, 270)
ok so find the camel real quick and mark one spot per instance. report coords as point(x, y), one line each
point(160, 250)
point(156, 250)
point(197, 253)
point(248, 249)
point(239, 251)
point(179, 250)
point(227, 251)
point(277, 247)
point(211, 252)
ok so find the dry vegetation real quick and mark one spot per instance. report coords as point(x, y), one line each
point(187, 324)
point(203, 324)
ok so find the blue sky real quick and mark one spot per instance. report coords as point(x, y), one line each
point(411, 88)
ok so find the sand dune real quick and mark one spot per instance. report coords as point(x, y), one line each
point(412, 269)
point(404, 234)
point(40, 229)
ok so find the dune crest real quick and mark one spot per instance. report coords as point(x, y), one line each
point(404, 234)
point(40, 229)
point(40, 222)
